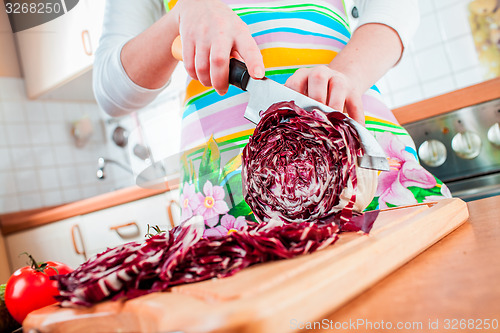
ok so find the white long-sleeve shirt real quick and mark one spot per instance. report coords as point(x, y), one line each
point(118, 95)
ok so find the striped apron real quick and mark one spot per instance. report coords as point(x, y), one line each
point(290, 34)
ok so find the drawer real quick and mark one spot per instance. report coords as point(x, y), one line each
point(49, 242)
point(75, 239)
point(122, 224)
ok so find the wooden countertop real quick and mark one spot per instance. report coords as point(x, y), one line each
point(457, 278)
point(479, 93)
point(18, 221)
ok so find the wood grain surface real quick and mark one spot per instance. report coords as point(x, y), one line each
point(266, 297)
point(457, 278)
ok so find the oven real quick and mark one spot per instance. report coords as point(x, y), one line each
point(462, 148)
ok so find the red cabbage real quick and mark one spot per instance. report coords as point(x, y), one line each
point(182, 256)
point(298, 162)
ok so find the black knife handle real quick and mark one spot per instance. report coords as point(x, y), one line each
point(238, 74)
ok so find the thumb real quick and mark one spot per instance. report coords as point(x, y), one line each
point(354, 108)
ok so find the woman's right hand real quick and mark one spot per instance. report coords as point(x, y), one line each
point(211, 33)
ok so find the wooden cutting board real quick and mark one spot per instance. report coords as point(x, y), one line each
point(271, 297)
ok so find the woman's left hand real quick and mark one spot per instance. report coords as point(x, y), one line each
point(330, 87)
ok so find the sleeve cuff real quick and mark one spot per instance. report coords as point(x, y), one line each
point(115, 92)
point(401, 15)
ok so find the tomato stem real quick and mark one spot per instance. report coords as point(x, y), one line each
point(40, 266)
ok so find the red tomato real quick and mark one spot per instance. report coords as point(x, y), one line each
point(30, 288)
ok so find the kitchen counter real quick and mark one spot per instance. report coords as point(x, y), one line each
point(18, 221)
point(457, 278)
point(458, 99)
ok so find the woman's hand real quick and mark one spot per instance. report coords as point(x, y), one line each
point(330, 87)
point(211, 33)
point(373, 49)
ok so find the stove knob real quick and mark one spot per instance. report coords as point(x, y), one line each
point(432, 152)
point(494, 134)
point(466, 145)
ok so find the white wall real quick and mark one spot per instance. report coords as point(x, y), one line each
point(441, 58)
point(39, 162)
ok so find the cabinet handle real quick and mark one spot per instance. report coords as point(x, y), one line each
point(76, 228)
point(87, 44)
point(169, 211)
point(123, 235)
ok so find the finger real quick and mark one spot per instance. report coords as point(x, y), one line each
point(202, 63)
point(235, 54)
point(355, 109)
point(219, 66)
point(337, 94)
point(298, 81)
point(188, 51)
point(251, 55)
point(318, 84)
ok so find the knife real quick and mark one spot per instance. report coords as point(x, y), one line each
point(265, 92)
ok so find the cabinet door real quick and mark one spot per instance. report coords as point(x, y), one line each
point(124, 223)
point(57, 52)
point(173, 208)
point(48, 242)
point(74, 240)
point(5, 271)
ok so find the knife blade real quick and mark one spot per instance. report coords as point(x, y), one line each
point(265, 92)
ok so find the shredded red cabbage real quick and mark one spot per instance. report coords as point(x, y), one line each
point(182, 256)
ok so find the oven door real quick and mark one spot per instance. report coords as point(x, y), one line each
point(475, 188)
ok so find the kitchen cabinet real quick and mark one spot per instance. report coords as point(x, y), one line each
point(57, 56)
point(76, 239)
point(4, 262)
point(9, 64)
point(49, 242)
point(125, 223)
